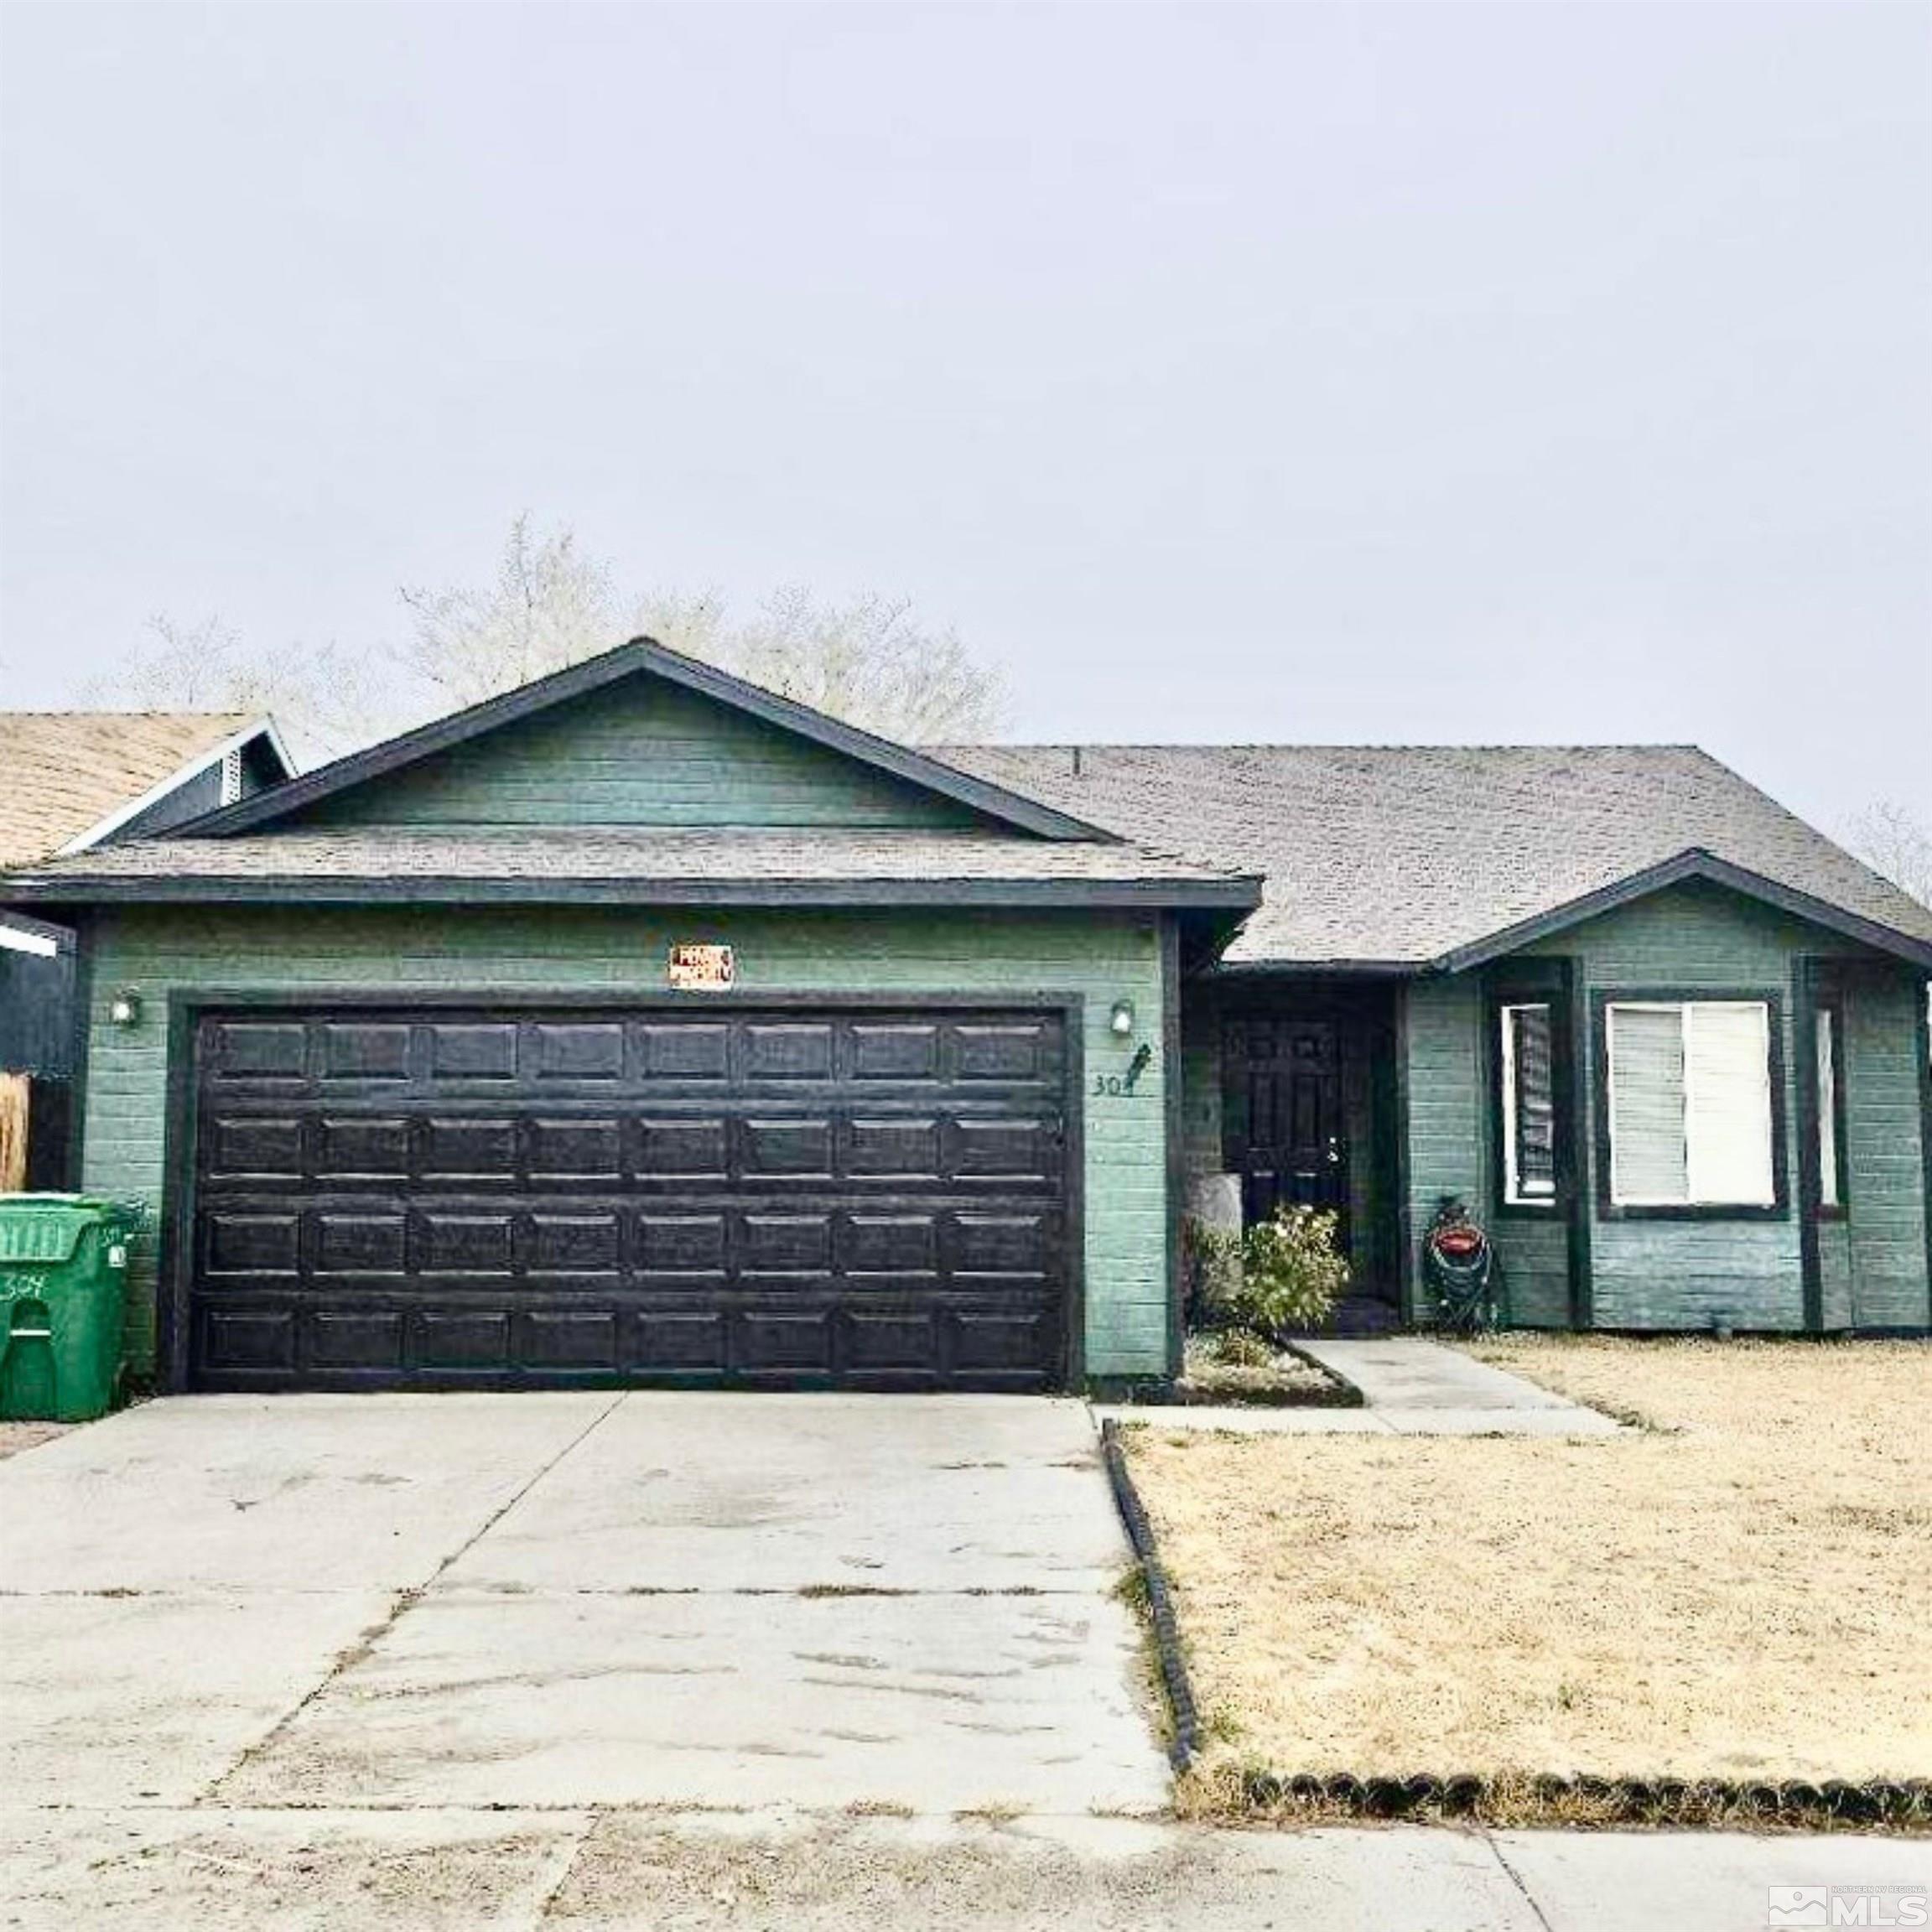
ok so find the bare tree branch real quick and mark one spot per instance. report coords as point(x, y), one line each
point(326, 699)
point(549, 605)
point(1890, 839)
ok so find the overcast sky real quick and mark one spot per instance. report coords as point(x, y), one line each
point(1315, 372)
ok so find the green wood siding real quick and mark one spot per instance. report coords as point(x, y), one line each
point(1446, 1081)
point(1099, 958)
point(1884, 1273)
point(1201, 1081)
point(1659, 1274)
point(639, 753)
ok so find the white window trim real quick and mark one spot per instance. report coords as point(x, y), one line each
point(1691, 1197)
point(1513, 1194)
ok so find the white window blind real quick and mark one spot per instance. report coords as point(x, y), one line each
point(1829, 1195)
point(1690, 1103)
point(1529, 1108)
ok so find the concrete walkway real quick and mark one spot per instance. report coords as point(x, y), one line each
point(1410, 1386)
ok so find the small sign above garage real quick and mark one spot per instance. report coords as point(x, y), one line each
point(702, 969)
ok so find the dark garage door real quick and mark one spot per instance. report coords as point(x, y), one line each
point(768, 1197)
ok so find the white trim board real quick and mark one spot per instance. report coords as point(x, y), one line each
point(18, 939)
point(123, 814)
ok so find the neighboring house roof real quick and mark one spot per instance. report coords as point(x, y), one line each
point(644, 866)
point(1415, 856)
point(645, 656)
point(72, 777)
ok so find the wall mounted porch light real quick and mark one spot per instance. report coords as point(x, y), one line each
point(1120, 1020)
point(124, 1007)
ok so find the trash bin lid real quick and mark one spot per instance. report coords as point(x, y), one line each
point(46, 1228)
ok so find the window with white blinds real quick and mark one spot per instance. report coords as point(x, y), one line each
point(1831, 1158)
point(1690, 1103)
point(1528, 1107)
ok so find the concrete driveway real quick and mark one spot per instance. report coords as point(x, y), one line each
point(571, 1600)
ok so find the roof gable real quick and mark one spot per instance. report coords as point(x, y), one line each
point(1685, 866)
point(74, 778)
point(641, 735)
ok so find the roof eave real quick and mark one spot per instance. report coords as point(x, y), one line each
point(1220, 894)
point(644, 654)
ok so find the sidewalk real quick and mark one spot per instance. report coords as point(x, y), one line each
point(182, 1868)
point(1410, 1386)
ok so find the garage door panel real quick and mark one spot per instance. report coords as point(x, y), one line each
point(900, 1050)
point(248, 1244)
point(866, 1198)
point(481, 1150)
point(902, 1148)
point(359, 1244)
point(457, 1339)
point(354, 1339)
point(1000, 1149)
point(578, 1246)
point(473, 1050)
point(244, 1147)
point(1011, 1050)
point(579, 1050)
point(247, 1340)
point(364, 1050)
point(785, 1244)
point(902, 1244)
point(362, 1148)
point(788, 1050)
point(683, 1148)
point(570, 1338)
point(1001, 1245)
point(245, 1050)
point(446, 1243)
point(770, 1342)
point(788, 1148)
point(685, 1050)
point(576, 1149)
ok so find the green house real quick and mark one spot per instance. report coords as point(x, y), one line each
point(640, 1025)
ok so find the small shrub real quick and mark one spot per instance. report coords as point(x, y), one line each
point(1242, 1348)
point(1211, 1257)
point(1291, 1275)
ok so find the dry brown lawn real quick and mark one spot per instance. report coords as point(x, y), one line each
point(1741, 1591)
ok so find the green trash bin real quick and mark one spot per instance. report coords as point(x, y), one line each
point(63, 1292)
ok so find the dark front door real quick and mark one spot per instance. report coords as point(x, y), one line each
point(1289, 1146)
point(792, 1195)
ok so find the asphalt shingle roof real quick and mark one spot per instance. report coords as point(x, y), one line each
point(1404, 854)
point(638, 859)
point(62, 772)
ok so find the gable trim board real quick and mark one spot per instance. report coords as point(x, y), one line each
point(644, 655)
point(262, 729)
